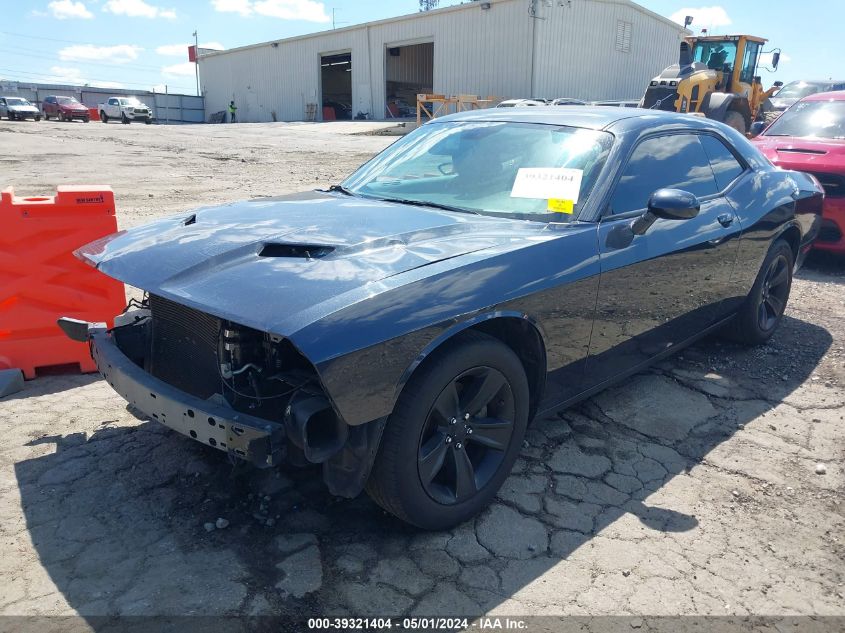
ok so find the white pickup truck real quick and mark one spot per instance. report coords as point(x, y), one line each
point(127, 109)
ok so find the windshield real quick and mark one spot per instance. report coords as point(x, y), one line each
point(797, 90)
point(717, 55)
point(821, 119)
point(520, 170)
point(133, 101)
point(67, 101)
point(17, 102)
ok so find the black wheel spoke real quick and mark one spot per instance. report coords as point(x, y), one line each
point(779, 276)
point(775, 305)
point(763, 315)
point(491, 432)
point(447, 404)
point(465, 485)
point(432, 456)
point(481, 391)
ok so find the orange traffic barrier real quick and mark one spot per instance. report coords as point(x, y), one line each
point(41, 280)
point(94, 114)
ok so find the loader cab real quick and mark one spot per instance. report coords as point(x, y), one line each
point(734, 56)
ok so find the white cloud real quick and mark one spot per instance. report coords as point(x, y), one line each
point(66, 75)
point(703, 17)
point(120, 54)
point(67, 9)
point(244, 7)
point(177, 50)
point(137, 9)
point(180, 70)
point(306, 10)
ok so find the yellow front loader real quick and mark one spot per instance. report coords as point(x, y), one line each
point(715, 76)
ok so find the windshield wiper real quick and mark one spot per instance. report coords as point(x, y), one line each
point(340, 189)
point(433, 205)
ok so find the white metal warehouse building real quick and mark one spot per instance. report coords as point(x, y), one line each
point(587, 49)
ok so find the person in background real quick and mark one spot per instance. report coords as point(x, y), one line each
point(232, 112)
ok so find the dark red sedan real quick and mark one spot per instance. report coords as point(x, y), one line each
point(810, 137)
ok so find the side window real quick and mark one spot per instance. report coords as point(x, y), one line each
point(749, 62)
point(725, 165)
point(112, 101)
point(677, 162)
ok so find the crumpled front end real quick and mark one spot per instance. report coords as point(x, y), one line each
point(247, 393)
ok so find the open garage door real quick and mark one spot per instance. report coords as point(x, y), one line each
point(336, 86)
point(409, 71)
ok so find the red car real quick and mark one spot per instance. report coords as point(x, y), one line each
point(810, 137)
point(64, 108)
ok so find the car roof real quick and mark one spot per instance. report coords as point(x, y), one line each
point(590, 117)
point(834, 95)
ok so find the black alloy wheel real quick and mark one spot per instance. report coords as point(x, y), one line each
point(758, 317)
point(464, 440)
point(454, 433)
point(774, 293)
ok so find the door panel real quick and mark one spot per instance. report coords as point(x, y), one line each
point(660, 288)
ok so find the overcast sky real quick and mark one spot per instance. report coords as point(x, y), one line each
point(142, 43)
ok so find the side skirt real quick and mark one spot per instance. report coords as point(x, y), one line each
point(565, 404)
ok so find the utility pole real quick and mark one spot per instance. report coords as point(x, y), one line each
point(197, 62)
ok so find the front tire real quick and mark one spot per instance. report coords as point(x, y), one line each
point(763, 309)
point(125, 119)
point(454, 434)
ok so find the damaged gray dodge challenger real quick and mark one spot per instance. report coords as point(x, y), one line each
point(402, 329)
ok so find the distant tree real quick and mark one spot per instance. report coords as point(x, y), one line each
point(428, 5)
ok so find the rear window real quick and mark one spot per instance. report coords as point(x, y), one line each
point(797, 90)
point(819, 119)
point(725, 166)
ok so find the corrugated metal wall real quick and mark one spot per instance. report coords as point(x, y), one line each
point(496, 51)
point(577, 53)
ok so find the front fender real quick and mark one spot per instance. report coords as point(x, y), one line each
point(456, 329)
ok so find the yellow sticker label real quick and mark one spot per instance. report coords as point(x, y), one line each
point(561, 206)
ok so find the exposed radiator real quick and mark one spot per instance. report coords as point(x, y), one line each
point(184, 347)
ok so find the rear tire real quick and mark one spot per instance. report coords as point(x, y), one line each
point(763, 308)
point(104, 117)
point(735, 120)
point(436, 473)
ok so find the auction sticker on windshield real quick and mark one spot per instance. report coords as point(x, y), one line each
point(558, 183)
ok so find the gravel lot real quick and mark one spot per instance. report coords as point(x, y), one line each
point(689, 489)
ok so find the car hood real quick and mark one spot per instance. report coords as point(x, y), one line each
point(75, 107)
point(19, 108)
point(803, 154)
point(265, 263)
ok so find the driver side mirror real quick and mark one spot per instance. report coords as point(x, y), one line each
point(775, 59)
point(667, 204)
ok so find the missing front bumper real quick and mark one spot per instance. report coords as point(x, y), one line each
point(253, 439)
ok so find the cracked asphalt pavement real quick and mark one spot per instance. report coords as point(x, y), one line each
point(693, 488)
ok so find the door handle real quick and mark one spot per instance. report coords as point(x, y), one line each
point(726, 219)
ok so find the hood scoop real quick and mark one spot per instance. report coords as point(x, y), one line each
point(297, 251)
point(799, 150)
